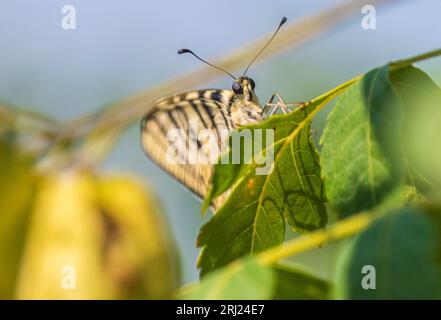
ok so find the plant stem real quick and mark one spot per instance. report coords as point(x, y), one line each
point(342, 229)
point(407, 62)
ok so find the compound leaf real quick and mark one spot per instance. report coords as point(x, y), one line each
point(253, 218)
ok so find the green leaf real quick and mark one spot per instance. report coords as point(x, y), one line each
point(403, 247)
point(16, 187)
point(398, 198)
point(224, 176)
point(226, 173)
point(251, 280)
point(293, 284)
point(360, 154)
point(245, 281)
point(253, 218)
point(421, 99)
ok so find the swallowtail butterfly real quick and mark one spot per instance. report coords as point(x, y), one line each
point(217, 110)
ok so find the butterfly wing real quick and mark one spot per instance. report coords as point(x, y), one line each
point(175, 129)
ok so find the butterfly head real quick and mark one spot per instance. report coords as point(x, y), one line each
point(243, 88)
point(246, 109)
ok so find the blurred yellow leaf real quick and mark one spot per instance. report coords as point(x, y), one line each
point(16, 190)
point(96, 237)
point(136, 238)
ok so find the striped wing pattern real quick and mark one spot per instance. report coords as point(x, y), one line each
point(209, 109)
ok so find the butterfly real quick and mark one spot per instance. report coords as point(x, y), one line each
point(178, 121)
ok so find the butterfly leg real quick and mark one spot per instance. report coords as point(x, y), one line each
point(269, 104)
point(279, 104)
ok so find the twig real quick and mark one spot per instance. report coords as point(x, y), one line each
point(339, 230)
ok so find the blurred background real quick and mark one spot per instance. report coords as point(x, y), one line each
point(120, 48)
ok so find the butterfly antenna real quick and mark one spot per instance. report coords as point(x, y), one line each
point(266, 45)
point(181, 51)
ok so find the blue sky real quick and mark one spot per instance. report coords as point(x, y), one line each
point(122, 47)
